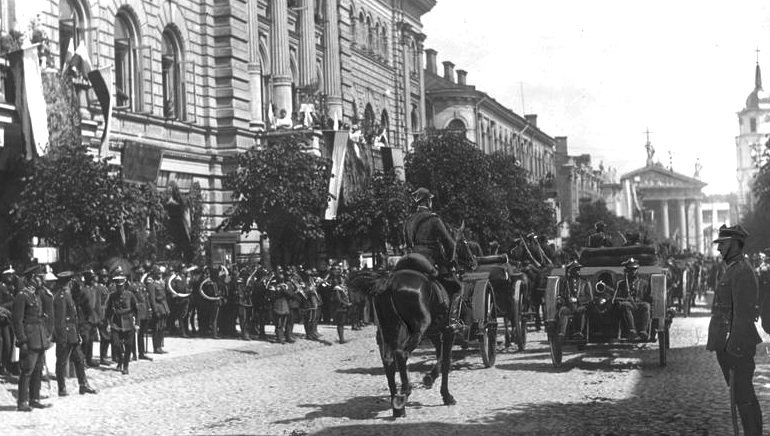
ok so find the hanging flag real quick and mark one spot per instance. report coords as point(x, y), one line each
point(270, 117)
point(68, 56)
point(101, 81)
point(25, 67)
point(340, 140)
point(336, 122)
point(81, 60)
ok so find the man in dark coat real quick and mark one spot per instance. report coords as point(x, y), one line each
point(121, 313)
point(66, 335)
point(159, 310)
point(425, 233)
point(572, 299)
point(279, 295)
point(600, 238)
point(32, 338)
point(105, 338)
point(7, 293)
point(634, 300)
point(88, 301)
point(143, 314)
point(732, 333)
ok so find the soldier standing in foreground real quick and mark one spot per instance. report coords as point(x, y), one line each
point(121, 312)
point(732, 333)
point(32, 340)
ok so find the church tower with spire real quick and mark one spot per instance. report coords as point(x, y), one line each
point(754, 128)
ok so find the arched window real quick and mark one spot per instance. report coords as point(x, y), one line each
point(361, 37)
point(376, 41)
point(369, 34)
point(127, 75)
point(173, 88)
point(72, 26)
point(385, 127)
point(384, 41)
point(456, 125)
point(354, 115)
point(413, 51)
point(369, 118)
point(415, 123)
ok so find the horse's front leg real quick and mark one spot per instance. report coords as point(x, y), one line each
point(406, 388)
point(389, 364)
point(447, 340)
point(431, 376)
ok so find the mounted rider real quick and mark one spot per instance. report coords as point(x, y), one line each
point(426, 234)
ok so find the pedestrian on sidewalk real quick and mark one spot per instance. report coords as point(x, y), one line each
point(732, 333)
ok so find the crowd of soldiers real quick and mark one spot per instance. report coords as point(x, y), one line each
point(121, 309)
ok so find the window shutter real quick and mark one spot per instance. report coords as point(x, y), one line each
point(189, 91)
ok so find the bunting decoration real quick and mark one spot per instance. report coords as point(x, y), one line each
point(25, 67)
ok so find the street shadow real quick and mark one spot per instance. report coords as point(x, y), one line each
point(8, 408)
point(357, 408)
point(653, 405)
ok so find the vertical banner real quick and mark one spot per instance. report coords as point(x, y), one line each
point(101, 81)
point(339, 139)
point(25, 67)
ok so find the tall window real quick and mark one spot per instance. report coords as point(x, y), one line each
point(72, 28)
point(173, 91)
point(385, 126)
point(376, 41)
point(361, 36)
point(127, 83)
point(753, 125)
point(384, 41)
point(369, 34)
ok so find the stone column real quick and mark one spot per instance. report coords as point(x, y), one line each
point(280, 58)
point(699, 227)
point(664, 218)
point(406, 59)
point(255, 70)
point(421, 72)
point(682, 224)
point(307, 71)
point(332, 73)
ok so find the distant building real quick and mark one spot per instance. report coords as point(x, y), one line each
point(453, 104)
point(754, 128)
point(576, 180)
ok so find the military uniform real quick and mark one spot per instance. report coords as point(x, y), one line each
point(599, 239)
point(208, 304)
point(89, 306)
point(634, 300)
point(178, 302)
point(105, 338)
point(279, 295)
point(574, 294)
point(732, 333)
point(7, 292)
point(243, 299)
point(67, 336)
point(32, 338)
point(121, 312)
point(159, 311)
point(342, 304)
point(143, 315)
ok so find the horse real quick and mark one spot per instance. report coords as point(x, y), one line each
point(536, 267)
point(408, 305)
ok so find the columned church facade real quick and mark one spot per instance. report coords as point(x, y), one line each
point(198, 79)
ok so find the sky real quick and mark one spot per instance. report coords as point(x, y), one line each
point(603, 72)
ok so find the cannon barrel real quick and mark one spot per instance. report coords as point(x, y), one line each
point(491, 260)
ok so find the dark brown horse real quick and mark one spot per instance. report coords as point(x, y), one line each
point(408, 305)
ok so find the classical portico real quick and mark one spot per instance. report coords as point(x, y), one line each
point(673, 203)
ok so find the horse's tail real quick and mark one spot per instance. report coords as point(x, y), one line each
point(369, 282)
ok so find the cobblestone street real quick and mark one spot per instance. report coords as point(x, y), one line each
point(226, 387)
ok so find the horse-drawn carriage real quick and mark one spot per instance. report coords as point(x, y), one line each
point(602, 269)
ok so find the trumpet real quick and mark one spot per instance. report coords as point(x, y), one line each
point(601, 287)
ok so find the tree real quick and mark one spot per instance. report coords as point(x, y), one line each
point(283, 190)
point(757, 221)
point(376, 214)
point(459, 175)
point(591, 212)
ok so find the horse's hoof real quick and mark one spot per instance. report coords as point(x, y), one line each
point(398, 403)
point(449, 400)
point(406, 393)
point(427, 381)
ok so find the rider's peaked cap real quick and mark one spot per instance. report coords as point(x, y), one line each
point(421, 194)
point(735, 232)
point(631, 263)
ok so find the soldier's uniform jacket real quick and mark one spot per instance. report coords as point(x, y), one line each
point(639, 290)
point(104, 294)
point(159, 305)
point(121, 310)
point(574, 290)
point(279, 295)
point(94, 297)
point(46, 296)
point(28, 323)
point(140, 293)
point(599, 239)
point(734, 310)
point(425, 233)
point(764, 295)
point(65, 318)
point(6, 304)
point(294, 296)
point(341, 297)
point(243, 296)
point(209, 290)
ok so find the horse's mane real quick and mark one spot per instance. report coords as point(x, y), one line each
point(369, 281)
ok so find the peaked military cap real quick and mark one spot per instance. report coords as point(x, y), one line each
point(421, 194)
point(735, 232)
point(65, 275)
point(117, 275)
point(631, 263)
point(600, 225)
point(8, 270)
point(573, 266)
point(32, 269)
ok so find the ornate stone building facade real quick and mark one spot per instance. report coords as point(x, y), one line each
point(576, 180)
point(453, 104)
point(198, 78)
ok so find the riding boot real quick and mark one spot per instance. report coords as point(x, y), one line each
point(341, 333)
point(751, 417)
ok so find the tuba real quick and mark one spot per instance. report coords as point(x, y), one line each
point(170, 287)
point(203, 294)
